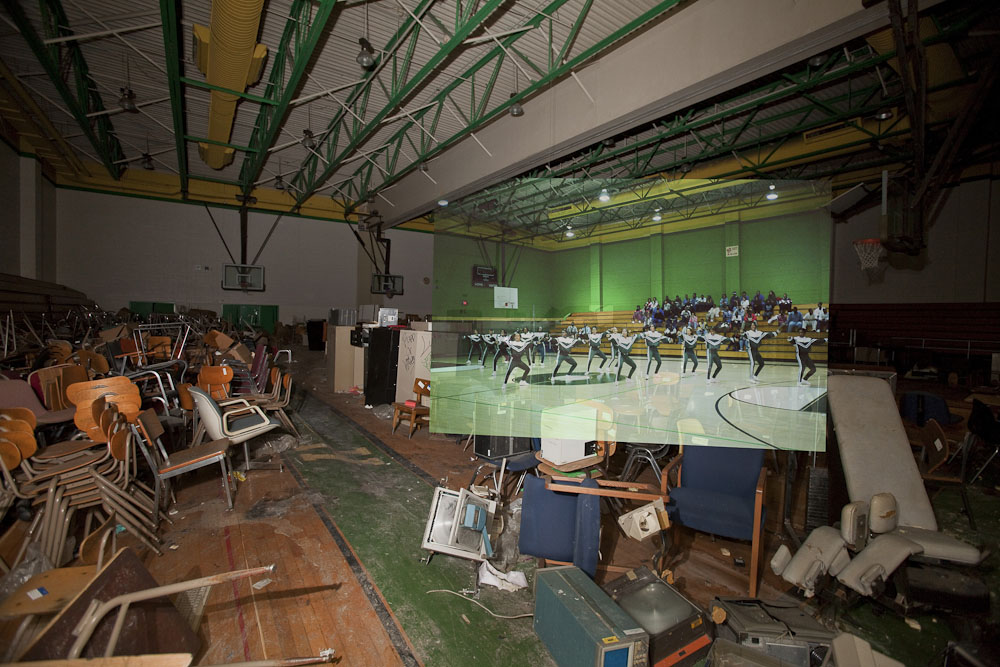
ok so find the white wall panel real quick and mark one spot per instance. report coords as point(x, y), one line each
point(118, 249)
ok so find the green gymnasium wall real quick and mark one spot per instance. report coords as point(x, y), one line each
point(570, 280)
point(790, 254)
point(694, 262)
point(454, 258)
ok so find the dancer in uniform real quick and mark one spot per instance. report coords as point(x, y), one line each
point(653, 339)
point(713, 341)
point(503, 341)
point(802, 345)
point(489, 344)
point(754, 339)
point(564, 345)
point(518, 348)
point(689, 341)
point(624, 343)
point(594, 339)
point(612, 335)
point(538, 351)
point(475, 342)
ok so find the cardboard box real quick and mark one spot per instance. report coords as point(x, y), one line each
point(114, 333)
point(240, 352)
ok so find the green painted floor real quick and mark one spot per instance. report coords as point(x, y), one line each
point(380, 506)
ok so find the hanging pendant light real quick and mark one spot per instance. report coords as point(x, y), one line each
point(516, 110)
point(308, 140)
point(365, 57)
point(279, 180)
point(127, 99)
point(146, 161)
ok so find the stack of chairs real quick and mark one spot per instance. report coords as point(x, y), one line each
point(98, 480)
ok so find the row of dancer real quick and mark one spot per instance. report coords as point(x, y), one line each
point(526, 344)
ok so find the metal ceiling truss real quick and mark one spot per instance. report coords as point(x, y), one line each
point(171, 45)
point(417, 140)
point(681, 202)
point(352, 126)
point(62, 59)
point(303, 29)
point(740, 126)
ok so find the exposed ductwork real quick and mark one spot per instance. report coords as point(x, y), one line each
point(228, 54)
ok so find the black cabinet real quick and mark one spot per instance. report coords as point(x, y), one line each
point(380, 374)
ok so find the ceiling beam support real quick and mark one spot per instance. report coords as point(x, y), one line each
point(298, 42)
point(553, 72)
point(306, 179)
point(83, 98)
point(171, 46)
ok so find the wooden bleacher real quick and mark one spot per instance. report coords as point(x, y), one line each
point(771, 349)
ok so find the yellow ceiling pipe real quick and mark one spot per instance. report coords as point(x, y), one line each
point(228, 54)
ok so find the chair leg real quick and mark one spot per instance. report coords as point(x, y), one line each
point(755, 554)
point(225, 482)
point(395, 420)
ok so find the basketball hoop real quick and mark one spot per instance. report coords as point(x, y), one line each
point(870, 251)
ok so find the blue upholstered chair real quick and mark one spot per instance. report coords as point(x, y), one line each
point(562, 527)
point(720, 490)
point(919, 406)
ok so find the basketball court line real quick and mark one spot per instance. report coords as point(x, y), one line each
point(775, 413)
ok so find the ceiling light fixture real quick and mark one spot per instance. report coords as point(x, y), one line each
point(308, 138)
point(609, 142)
point(604, 196)
point(442, 202)
point(817, 60)
point(147, 162)
point(883, 114)
point(366, 57)
point(127, 99)
point(657, 217)
point(685, 168)
point(771, 195)
point(516, 110)
point(569, 233)
point(279, 181)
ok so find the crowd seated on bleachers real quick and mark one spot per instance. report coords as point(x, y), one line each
point(731, 314)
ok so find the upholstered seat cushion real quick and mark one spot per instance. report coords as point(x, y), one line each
point(560, 526)
point(248, 420)
point(713, 512)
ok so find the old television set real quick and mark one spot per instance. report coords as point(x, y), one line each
point(679, 631)
point(458, 524)
point(500, 446)
point(244, 277)
point(386, 283)
point(580, 625)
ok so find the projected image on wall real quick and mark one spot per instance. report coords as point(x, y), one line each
point(683, 312)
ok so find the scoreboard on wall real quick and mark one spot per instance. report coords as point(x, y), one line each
point(484, 276)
